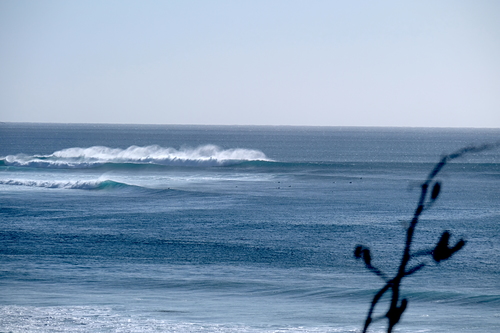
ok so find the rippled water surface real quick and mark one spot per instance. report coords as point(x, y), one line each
point(111, 228)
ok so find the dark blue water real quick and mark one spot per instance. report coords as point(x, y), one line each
point(111, 228)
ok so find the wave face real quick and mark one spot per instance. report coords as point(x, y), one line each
point(206, 155)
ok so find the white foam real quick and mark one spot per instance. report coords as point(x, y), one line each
point(102, 319)
point(206, 155)
point(79, 184)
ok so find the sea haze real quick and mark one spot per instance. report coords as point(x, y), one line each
point(145, 228)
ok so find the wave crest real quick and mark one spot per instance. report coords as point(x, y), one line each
point(78, 185)
point(206, 155)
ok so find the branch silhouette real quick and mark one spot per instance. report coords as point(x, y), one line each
point(441, 251)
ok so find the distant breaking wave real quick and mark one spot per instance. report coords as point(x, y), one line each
point(206, 155)
point(78, 185)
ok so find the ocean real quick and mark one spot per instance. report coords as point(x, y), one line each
point(162, 228)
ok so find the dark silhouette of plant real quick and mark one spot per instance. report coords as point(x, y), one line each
point(440, 252)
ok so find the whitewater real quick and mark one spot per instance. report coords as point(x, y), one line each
point(207, 155)
point(146, 228)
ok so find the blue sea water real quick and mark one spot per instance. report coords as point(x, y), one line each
point(142, 228)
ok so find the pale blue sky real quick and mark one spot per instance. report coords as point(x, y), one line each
point(335, 63)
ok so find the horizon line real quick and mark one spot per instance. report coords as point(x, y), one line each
point(243, 125)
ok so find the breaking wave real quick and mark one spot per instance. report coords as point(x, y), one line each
point(206, 155)
point(79, 184)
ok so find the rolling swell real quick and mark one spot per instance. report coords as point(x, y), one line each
point(98, 156)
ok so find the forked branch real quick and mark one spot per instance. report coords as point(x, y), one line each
point(441, 251)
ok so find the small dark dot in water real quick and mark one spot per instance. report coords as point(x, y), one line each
point(350, 182)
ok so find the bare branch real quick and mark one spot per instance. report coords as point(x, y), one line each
point(415, 269)
point(442, 250)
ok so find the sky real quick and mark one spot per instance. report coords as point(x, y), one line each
point(314, 63)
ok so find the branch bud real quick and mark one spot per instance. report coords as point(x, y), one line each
point(435, 191)
point(442, 251)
